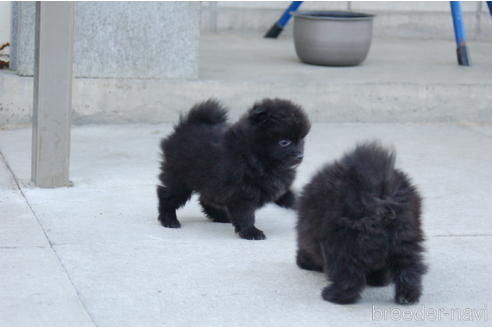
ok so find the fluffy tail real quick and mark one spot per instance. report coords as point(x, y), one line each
point(208, 112)
point(371, 163)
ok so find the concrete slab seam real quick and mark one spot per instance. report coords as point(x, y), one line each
point(79, 296)
point(469, 129)
point(17, 247)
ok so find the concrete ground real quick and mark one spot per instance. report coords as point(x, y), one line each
point(94, 254)
point(401, 80)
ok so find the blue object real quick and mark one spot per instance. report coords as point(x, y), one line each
point(459, 33)
point(278, 26)
point(284, 19)
point(489, 3)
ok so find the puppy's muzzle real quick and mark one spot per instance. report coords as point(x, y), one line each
point(297, 160)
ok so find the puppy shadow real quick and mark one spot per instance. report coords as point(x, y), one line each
point(200, 227)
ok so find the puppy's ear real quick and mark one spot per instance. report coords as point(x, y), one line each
point(258, 115)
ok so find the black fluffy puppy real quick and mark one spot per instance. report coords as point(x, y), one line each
point(235, 168)
point(359, 221)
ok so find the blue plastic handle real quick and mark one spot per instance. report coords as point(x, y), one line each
point(284, 19)
point(459, 31)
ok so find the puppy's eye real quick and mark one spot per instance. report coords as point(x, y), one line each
point(284, 143)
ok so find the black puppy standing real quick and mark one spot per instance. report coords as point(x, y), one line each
point(236, 168)
point(359, 221)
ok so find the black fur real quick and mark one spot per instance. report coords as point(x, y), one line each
point(235, 168)
point(359, 221)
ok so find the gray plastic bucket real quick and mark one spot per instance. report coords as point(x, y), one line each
point(332, 38)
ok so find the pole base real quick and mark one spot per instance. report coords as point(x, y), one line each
point(462, 53)
point(274, 31)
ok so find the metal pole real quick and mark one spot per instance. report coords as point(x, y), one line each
point(459, 33)
point(52, 105)
point(279, 25)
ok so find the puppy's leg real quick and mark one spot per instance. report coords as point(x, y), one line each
point(171, 198)
point(307, 262)
point(346, 287)
point(378, 278)
point(214, 214)
point(243, 218)
point(407, 270)
point(347, 278)
point(287, 200)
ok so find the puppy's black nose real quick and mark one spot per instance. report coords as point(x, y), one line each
point(300, 156)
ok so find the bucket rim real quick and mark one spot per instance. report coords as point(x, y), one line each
point(336, 15)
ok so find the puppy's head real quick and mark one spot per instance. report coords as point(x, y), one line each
point(278, 128)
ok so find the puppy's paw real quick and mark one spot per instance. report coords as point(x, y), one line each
point(335, 295)
point(169, 223)
point(407, 297)
point(252, 233)
point(288, 200)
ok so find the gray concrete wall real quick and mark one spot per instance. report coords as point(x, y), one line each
point(5, 21)
point(120, 39)
point(406, 19)
point(22, 37)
